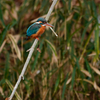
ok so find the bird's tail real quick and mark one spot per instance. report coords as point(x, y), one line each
point(28, 38)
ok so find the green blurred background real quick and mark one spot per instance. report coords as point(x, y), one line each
point(68, 67)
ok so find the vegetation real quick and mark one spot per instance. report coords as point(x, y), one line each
point(67, 67)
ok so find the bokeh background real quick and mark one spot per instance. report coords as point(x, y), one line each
point(68, 67)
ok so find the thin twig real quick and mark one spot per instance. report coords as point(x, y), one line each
point(30, 54)
point(53, 31)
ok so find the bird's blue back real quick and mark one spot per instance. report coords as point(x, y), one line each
point(33, 29)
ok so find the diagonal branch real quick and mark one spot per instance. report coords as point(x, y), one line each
point(30, 54)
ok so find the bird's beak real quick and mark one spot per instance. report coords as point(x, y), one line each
point(47, 24)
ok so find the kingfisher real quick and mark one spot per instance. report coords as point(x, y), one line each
point(37, 29)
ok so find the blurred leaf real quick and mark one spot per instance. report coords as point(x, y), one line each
point(85, 29)
point(1, 91)
point(95, 69)
point(44, 5)
point(35, 3)
point(2, 81)
point(86, 73)
point(57, 83)
point(70, 37)
point(42, 54)
point(1, 15)
point(79, 70)
point(37, 55)
point(94, 9)
point(73, 77)
point(7, 66)
point(17, 50)
point(97, 32)
point(77, 63)
point(64, 2)
point(3, 44)
point(86, 9)
point(13, 22)
point(69, 5)
point(14, 13)
point(50, 73)
point(3, 34)
point(89, 68)
point(11, 87)
point(64, 87)
point(68, 28)
point(87, 41)
point(72, 50)
point(52, 47)
point(69, 80)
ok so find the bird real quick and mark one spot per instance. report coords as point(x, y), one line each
point(35, 30)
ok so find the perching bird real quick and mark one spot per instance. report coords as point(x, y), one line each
point(37, 29)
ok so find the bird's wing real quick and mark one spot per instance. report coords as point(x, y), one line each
point(33, 29)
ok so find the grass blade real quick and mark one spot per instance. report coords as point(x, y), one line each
point(57, 83)
point(7, 67)
point(69, 5)
point(70, 37)
point(97, 40)
point(3, 34)
point(11, 87)
point(64, 87)
point(87, 41)
point(73, 77)
point(89, 69)
point(37, 55)
point(1, 15)
point(14, 22)
point(15, 46)
point(52, 47)
point(94, 9)
point(85, 29)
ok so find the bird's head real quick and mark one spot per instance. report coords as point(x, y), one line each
point(43, 22)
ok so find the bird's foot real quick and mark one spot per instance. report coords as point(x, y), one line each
point(38, 49)
point(7, 98)
point(37, 38)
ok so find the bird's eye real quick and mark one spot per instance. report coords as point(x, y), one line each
point(44, 22)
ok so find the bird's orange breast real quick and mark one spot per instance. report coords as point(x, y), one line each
point(39, 32)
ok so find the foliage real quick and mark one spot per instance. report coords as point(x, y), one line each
point(67, 67)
